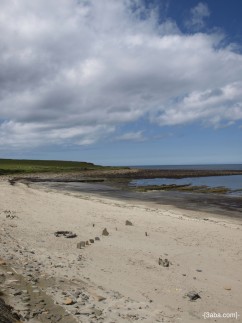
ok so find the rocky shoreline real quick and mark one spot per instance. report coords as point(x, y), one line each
point(119, 174)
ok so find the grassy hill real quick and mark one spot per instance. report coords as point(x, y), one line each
point(17, 166)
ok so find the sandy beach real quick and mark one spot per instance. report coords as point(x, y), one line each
point(170, 265)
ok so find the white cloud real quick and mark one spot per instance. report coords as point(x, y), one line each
point(211, 106)
point(132, 136)
point(73, 71)
point(198, 15)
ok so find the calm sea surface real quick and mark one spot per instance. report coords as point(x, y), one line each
point(232, 182)
point(202, 167)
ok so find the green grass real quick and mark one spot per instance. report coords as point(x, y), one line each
point(20, 166)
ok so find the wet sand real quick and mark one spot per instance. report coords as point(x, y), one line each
point(122, 277)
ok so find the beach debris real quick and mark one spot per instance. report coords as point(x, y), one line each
point(97, 238)
point(66, 234)
point(146, 234)
point(105, 232)
point(199, 270)
point(71, 235)
point(93, 225)
point(127, 222)
point(91, 240)
point(81, 244)
point(193, 296)
point(87, 243)
point(227, 287)
point(164, 263)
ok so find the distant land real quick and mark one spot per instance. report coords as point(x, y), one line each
point(17, 166)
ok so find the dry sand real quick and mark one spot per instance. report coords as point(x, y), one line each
point(116, 279)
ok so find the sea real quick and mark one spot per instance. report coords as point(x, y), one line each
point(199, 167)
point(232, 182)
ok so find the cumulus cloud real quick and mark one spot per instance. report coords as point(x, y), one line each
point(73, 71)
point(212, 106)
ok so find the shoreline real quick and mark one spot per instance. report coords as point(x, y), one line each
point(219, 204)
point(115, 184)
point(117, 278)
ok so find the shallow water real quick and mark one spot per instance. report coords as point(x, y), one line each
point(232, 182)
point(222, 204)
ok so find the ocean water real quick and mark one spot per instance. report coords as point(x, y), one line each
point(197, 167)
point(232, 182)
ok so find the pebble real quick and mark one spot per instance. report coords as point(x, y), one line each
point(10, 273)
point(97, 312)
point(100, 298)
point(128, 222)
point(81, 244)
point(69, 301)
point(105, 232)
point(164, 263)
point(84, 312)
point(193, 296)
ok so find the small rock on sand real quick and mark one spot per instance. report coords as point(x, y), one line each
point(193, 296)
point(81, 244)
point(97, 312)
point(105, 232)
point(164, 263)
point(97, 238)
point(128, 222)
point(69, 301)
point(100, 298)
point(66, 234)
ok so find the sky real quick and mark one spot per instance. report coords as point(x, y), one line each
point(121, 82)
